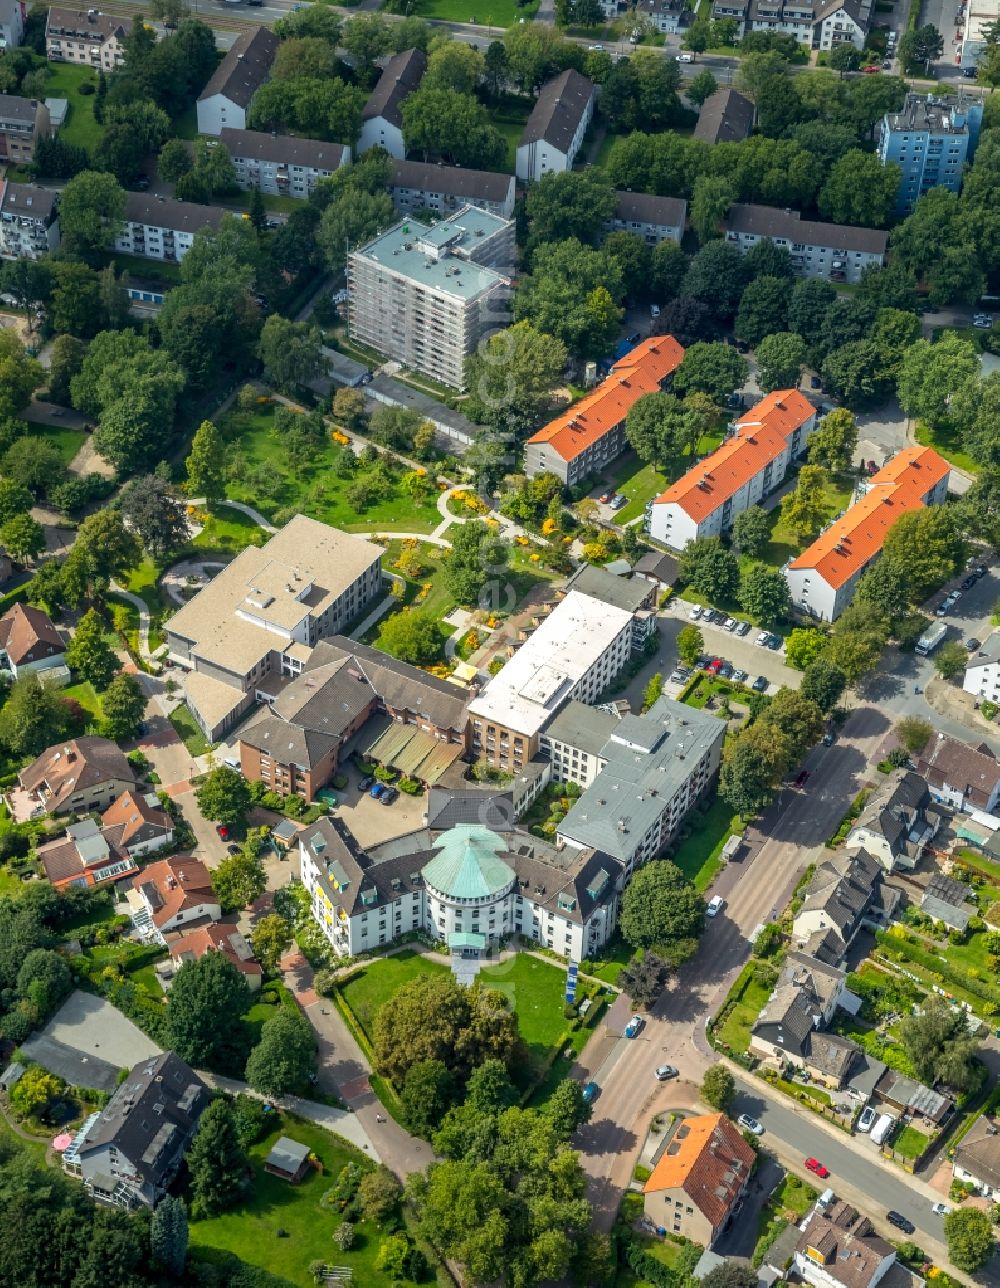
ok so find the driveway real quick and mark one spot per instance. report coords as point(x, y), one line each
point(92, 1026)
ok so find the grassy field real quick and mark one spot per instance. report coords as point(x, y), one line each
point(188, 730)
point(88, 698)
point(146, 269)
point(910, 1142)
point(947, 441)
point(227, 532)
point(494, 13)
point(144, 582)
point(615, 958)
point(314, 489)
point(66, 441)
point(786, 544)
point(64, 81)
point(735, 1029)
point(251, 1230)
point(648, 481)
point(699, 856)
point(382, 979)
point(10, 884)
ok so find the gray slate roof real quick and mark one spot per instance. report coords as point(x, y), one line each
point(403, 73)
point(245, 68)
point(583, 726)
point(663, 567)
point(425, 176)
point(644, 208)
point(630, 593)
point(844, 887)
point(725, 117)
point(558, 110)
point(15, 108)
point(770, 221)
point(896, 808)
point(284, 149)
point(448, 808)
point(399, 685)
point(28, 199)
point(979, 1151)
point(154, 1110)
point(164, 212)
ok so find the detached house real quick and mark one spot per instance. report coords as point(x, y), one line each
point(556, 127)
point(977, 1157)
point(726, 116)
point(216, 938)
point(897, 822)
point(838, 1248)
point(75, 777)
point(29, 641)
point(845, 894)
point(128, 1154)
point(699, 1178)
point(963, 777)
point(171, 894)
point(382, 116)
point(91, 854)
point(805, 998)
point(86, 37)
point(591, 433)
point(752, 462)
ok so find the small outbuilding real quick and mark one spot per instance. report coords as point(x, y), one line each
point(11, 1076)
point(288, 1159)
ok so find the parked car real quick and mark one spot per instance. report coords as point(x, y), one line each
point(365, 783)
point(981, 571)
point(972, 644)
point(714, 905)
point(730, 623)
point(654, 310)
point(376, 791)
point(695, 613)
point(774, 642)
point(388, 796)
point(801, 778)
point(605, 497)
point(715, 666)
point(619, 501)
point(750, 1124)
point(223, 831)
point(685, 58)
point(816, 1167)
point(900, 1222)
point(940, 1209)
point(760, 685)
point(828, 738)
point(634, 1026)
point(984, 321)
point(590, 1093)
point(740, 676)
point(970, 581)
point(664, 1072)
point(872, 69)
point(763, 637)
point(743, 629)
point(726, 671)
point(866, 1119)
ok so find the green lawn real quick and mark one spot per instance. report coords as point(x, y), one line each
point(910, 1142)
point(227, 532)
point(735, 1029)
point(494, 13)
point(147, 269)
point(699, 856)
point(613, 960)
point(314, 489)
point(144, 582)
point(64, 81)
point(648, 481)
point(66, 441)
point(10, 883)
point(88, 698)
point(948, 442)
point(786, 544)
point(437, 599)
point(251, 1230)
point(189, 730)
point(382, 979)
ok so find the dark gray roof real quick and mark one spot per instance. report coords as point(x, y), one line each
point(947, 890)
point(644, 208)
point(979, 1151)
point(337, 854)
point(400, 686)
point(770, 221)
point(151, 1116)
point(15, 108)
point(424, 176)
point(402, 75)
point(447, 808)
point(284, 149)
point(788, 1018)
point(663, 567)
point(245, 68)
point(28, 199)
point(558, 110)
point(725, 117)
point(910, 1094)
point(396, 393)
point(825, 946)
point(865, 1073)
point(629, 593)
point(947, 900)
point(844, 887)
point(163, 212)
point(831, 1054)
point(896, 808)
point(583, 726)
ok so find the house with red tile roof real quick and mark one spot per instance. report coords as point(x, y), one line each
point(216, 938)
point(589, 435)
point(752, 462)
point(699, 1178)
point(91, 854)
point(171, 894)
point(823, 578)
point(29, 641)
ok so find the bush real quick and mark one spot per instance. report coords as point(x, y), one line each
point(86, 88)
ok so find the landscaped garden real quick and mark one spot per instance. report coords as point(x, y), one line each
point(64, 81)
point(321, 478)
point(699, 853)
point(66, 441)
point(285, 1228)
point(786, 544)
point(747, 998)
point(789, 1203)
point(188, 730)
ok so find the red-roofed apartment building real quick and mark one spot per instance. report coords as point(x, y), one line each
point(822, 579)
point(752, 462)
point(699, 1178)
point(591, 433)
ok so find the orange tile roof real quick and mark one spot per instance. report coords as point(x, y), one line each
point(640, 372)
point(178, 883)
point(761, 436)
point(194, 944)
point(709, 1160)
point(850, 543)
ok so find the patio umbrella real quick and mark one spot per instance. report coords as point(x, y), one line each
point(62, 1142)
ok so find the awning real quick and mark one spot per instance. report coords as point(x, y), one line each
point(413, 752)
point(466, 939)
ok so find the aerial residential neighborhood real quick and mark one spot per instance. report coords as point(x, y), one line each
point(500, 644)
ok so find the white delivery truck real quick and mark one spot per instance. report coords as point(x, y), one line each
point(931, 638)
point(882, 1128)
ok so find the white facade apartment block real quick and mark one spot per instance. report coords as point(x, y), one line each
point(280, 165)
point(29, 222)
point(845, 23)
point(556, 127)
point(86, 37)
point(784, 17)
point(426, 296)
point(165, 230)
point(226, 99)
point(836, 252)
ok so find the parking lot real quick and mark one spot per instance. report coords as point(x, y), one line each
point(743, 652)
point(372, 822)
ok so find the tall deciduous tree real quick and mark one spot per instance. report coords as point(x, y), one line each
point(284, 1060)
point(123, 703)
point(710, 569)
point(207, 1000)
point(154, 514)
point(88, 653)
point(511, 377)
point(91, 211)
point(662, 910)
point(833, 442)
point(932, 373)
point(763, 593)
point(710, 368)
point(206, 461)
point(804, 509)
point(751, 531)
point(718, 1087)
point(780, 359)
point(224, 796)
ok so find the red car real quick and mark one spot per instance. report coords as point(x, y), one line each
point(715, 666)
point(605, 497)
point(223, 831)
point(817, 1168)
point(872, 69)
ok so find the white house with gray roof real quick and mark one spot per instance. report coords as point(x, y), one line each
point(280, 164)
point(469, 886)
point(654, 219)
point(556, 127)
point(845, 894)
point(897, 823)
point(653, 769)
point(425, 296)
point(225, 100)
point(382, 115)
point(161, 228)
point(837, 252)
point(29, 221)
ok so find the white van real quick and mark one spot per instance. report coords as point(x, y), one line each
point(882, 1128)
point(685, 58)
